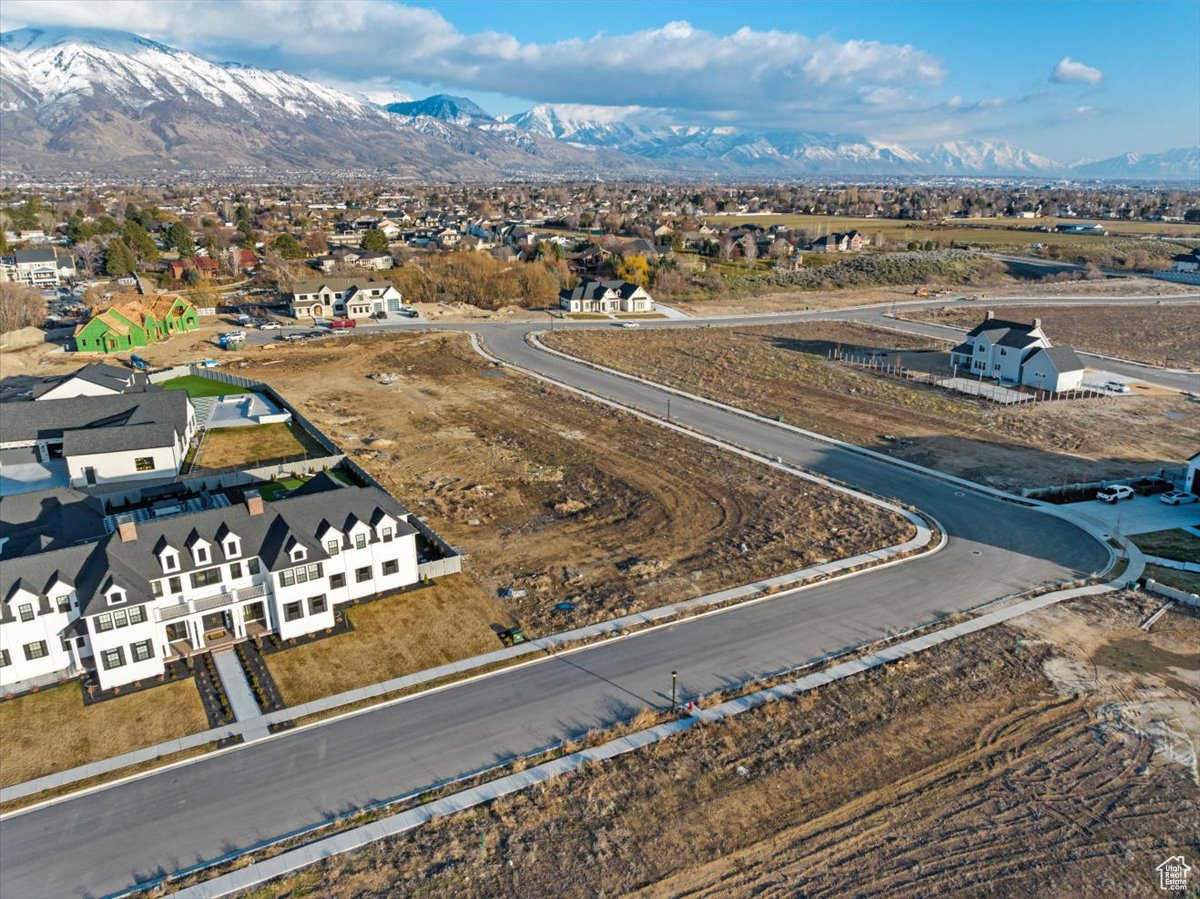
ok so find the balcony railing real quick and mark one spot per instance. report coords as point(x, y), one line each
point(207, 603)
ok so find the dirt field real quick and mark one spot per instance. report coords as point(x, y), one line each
point(1018, 761)
point(1167, 335)
point(785, 301)
point(562, 499)
point(784, 369)
point(53, 730)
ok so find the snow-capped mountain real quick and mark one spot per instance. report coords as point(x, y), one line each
point(104, 101)
point(971, 156)
point(1180, 163)
point(458, 110)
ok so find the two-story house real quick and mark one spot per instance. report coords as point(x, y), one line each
point(1017, 353)
point(343, 298)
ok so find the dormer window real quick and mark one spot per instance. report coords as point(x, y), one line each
point(170, 560)
point(298, 554)
point(233, 548)
point(387, 535)
point(116, 596)
point(360, 541)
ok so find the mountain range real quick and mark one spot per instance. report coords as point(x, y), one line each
point(106, 102)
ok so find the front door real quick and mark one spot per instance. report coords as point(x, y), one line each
point(217, 625)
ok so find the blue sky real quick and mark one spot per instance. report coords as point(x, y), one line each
point(1067, 80)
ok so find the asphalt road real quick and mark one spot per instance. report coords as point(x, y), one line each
point(110, 839)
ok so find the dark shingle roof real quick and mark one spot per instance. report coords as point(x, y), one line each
point(1063, 357)
point(49, 419)
point(116, 379)
point(590, 290)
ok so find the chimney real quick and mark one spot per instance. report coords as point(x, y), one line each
point(127, 528)
point(254, 502)
point(1037, 323)
point(990, 315)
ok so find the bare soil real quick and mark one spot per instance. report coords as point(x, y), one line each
point(562, 499)
point(785, 369)
point(791, 301)
point(1167, 335)
point(1016, 761)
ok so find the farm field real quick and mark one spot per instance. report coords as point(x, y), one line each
point(784, 369)
point(1164, 335)
point(995, 759)
point(546, 493)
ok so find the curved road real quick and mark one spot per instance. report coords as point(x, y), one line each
point(108, 840)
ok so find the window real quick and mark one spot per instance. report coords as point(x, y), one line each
point(137, 615)
point(360, 541)
point(392, 566)
point(201, 554)
point(1003, 352)
point(333, 547)
point(287, 578)
point(252, 566)
point(120, 619)
point(235, 571)
point(314, 571)
point(170, 561)
point(5, 658)
point(293, 610)
point(64, 603)
point(113, 658)
point(35, 650)
point(116, 597)
point(317, 604)
point(336, 581)
point(104, 622)
point(206, 578)
point(144, 463)
point(232, 549)
point(26, 610)
point(156, 586)
point(301, 575)
point(362, 574)
point(387, 535)
point(142, 651)
point(176, 585)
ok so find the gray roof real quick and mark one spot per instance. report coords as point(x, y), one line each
point(591, 290)
point(89, 441)
point(50, 419)
point(47, 519)
point(300, 519)
point(997, 324)
point(40, 254)
point(1063, 358)
point(119, 380)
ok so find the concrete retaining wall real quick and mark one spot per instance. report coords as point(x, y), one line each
point(1189, 599)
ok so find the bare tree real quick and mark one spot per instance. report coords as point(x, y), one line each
point(87, 256)
point(20, 307)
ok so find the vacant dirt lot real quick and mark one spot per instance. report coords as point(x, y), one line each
point(1014, 761)
point(1166, 335)
point(559, 498)
point(784, 369)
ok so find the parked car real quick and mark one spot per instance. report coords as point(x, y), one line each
point(233, 336)
point(379, 314)
point(341, 324)
point(1150, 486)
point(630, 325)
point(1178, 498)
point(291, 337)
point(408, 312)
point(1116, 387)
point(270, 326)
point(1114, 493)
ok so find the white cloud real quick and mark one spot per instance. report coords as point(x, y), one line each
point(1072, 70)
point(776, 77)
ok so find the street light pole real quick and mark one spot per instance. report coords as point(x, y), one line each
point(674, 681)
point(668, 408)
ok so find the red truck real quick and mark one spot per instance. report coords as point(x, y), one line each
point(340, 324)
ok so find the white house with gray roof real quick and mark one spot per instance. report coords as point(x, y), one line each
point(606, 296)
point(1017, 353)
point(95, 379)
point(165, 586)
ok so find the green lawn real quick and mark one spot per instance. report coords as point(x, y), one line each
point(1180, 580)
point(197, 386)
point(1175, 544)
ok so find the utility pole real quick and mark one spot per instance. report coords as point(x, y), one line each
point(674, 681)
point(668, 408)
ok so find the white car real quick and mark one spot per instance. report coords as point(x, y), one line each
point(1116, 387)
point(1178, 498)
point(630, 325)
point(270, 326)
point(1114, 493)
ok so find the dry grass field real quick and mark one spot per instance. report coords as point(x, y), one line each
point(783, 369)
point(53, 730)
point(1166, 335)
point(249, 446)
point(449, 620)
point(560, 498)
point(1016, 761)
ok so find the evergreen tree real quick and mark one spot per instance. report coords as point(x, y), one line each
point(179, 237)
point(289, 248)
point(375, 241)
point(119, 259)
point(139, 240)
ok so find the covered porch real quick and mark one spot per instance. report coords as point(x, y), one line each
point(215, 622)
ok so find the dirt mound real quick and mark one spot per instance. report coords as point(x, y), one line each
point(22, 337)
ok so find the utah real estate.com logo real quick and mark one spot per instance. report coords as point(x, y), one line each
point(1173, 874)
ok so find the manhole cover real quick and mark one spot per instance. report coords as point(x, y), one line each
point(976, 552)
point(959, 493)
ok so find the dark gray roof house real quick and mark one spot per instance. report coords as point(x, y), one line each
point(109, 377)
point(1064, 358)
point(50, 420)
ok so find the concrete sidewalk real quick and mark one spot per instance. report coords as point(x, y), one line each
point(241, 698)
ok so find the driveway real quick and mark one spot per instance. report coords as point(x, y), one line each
point(1136, 516)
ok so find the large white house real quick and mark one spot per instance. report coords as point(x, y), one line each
point(94, 379)
point(41, 267)
point(1017, 353)
point(606, 296)
point(163, 586)
point(343, 298)
point(100, 438)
